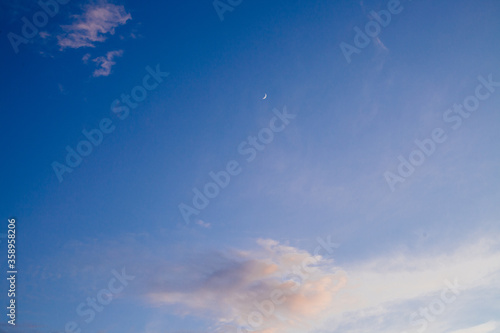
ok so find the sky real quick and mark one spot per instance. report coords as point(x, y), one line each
point(251, 166)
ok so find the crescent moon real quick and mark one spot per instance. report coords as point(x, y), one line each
point(265, 96)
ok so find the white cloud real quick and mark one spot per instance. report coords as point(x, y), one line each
point(483, 328)
point(393, 288)
point(93, 25)
point(105, 63)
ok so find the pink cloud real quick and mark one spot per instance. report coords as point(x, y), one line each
point(259, 290)
point(106, 63)
point(93, 25)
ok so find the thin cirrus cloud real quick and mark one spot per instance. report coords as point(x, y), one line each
point(106, 63)
point(94, 25)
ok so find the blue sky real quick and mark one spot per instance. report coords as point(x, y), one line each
point(329, 156)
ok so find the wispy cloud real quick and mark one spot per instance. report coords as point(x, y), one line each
point(483, 328)
point(93, 25)
point(105, 63)
point(86, 58)
point(203, 224)
point(44, 34)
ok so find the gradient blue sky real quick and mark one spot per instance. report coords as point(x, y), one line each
point(322, 176)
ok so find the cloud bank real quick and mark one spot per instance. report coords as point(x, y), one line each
point(276, 288)
point(279, 288)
